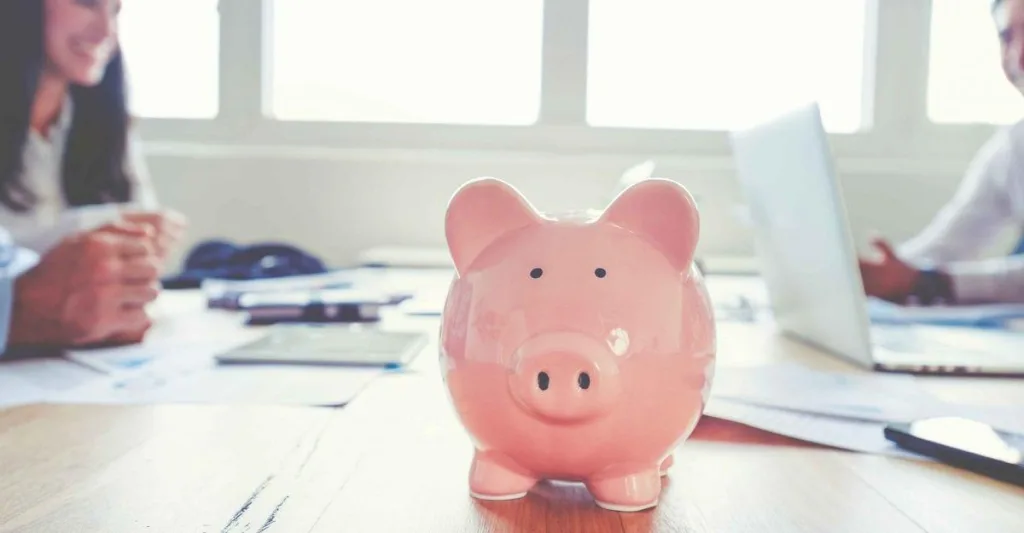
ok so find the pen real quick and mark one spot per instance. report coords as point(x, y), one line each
point(84, 361)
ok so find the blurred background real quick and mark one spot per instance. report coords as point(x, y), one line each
point(339, 125)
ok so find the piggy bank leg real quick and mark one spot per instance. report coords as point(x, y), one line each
point(494, 476)
point(665, 465)
point(628, 492)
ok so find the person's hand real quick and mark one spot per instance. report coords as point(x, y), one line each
point(890, 278)
point(168, 228)
point(91, 288)
point(134, 336)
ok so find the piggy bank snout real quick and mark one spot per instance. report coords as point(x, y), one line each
point(565, 377)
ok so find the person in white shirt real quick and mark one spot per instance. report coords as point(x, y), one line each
point(73, 189)
point(941, 265)
point(68, 159)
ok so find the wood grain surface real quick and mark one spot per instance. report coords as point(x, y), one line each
point(396, 460)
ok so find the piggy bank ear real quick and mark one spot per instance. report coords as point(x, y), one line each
point(662, 212)
point(481, 211)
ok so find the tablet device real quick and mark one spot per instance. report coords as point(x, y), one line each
point(329, 344)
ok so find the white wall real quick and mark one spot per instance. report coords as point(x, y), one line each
point(336, 204)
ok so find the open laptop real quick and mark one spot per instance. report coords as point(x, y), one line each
point(809, 262)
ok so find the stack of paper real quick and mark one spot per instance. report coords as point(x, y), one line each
point(848, 411)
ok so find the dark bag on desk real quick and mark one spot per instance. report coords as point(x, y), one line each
point(224, 260)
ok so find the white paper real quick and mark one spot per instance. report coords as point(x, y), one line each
point(230, 384)
point(175, 364)
point(866, 396)
point(34, 380)
point(848, 411)
point(845, 433)
point(179, 337)
point(15, 391)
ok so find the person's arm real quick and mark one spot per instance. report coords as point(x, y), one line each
point(27, 232)
point(997, 280)
point(143, 194)
point(975, 215)
point(91, 288)
point(168, 225)
point(14, 261)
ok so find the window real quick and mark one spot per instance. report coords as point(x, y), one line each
point(965, 81)
point(415, 61)
point(702, 64)
point(171, 57)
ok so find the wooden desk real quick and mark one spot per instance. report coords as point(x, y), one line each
point(120, 469)
point(396, 460)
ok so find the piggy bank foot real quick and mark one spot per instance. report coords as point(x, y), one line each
point(665, 465)
point(494, 476)
point(627, 493)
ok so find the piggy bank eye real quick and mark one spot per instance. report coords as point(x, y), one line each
point(536, 273)
point(600, 272)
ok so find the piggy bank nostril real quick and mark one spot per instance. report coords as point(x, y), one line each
point(583, 380)
point(543, 380)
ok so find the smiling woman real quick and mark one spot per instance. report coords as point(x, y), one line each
point(67, 160)
point(80, 40)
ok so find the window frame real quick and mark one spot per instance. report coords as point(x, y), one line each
point(898, 137)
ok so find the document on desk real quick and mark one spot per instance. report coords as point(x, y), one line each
point(183, 370)
point(175, 339)
point(848, 411)
point(175, 364)
point(987, 316)
point(839, 432)
point(34, 380)
point(16, 391)
point(229, 384)
point(866, 396)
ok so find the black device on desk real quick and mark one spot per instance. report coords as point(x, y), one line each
point(964, 443)
point(311, 306)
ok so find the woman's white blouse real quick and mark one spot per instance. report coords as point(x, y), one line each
point(50, 219)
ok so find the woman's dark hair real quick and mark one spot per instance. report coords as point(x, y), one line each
point(93, 170)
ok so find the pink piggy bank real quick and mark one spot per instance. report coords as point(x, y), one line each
point(576, 349)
